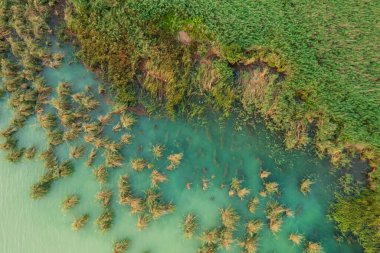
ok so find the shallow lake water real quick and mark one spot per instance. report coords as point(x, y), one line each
point(211, 152)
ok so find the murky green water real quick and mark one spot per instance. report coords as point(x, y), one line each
point(210, 152)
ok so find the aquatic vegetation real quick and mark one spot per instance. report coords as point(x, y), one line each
point(248, 245)
point(124, 189)
point(136, 205)
point(126, 138)
point(271, 187)
point(204, 184)
point(274, 213)
point(229, 217)
point(127, 120)
point(236, 189)
point(64, 169)
point(253, 227)
point(313, 247)
point(174, 160)
point(91, 157)
point(104, 119)
point(264, 174)
point(79, 222)
point(76, 151)
point(9, 144)
point(120, 246)
point(71, 134)
point(143, 221)
point(14, 155)
point(104, 197)
point(157, 151)
point(104, 220)
point(100, 174)
point(48, 157)
point(156, 178)
point(29, 153)
point(189, 225)
point(138, 164)
point(39, 189)
point(69, 202)
point(55, 136)
point(296, 238)
point(210, 237)
point(116, 128)
point(305, 185)
point(241, 193)
point(8, 132)
point(252, 204)
point(112, 155)
point(225, 237)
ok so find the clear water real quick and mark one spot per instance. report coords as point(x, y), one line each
point(209, 151)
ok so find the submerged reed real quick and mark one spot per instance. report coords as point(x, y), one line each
point(229, 217)
point(120, 246)
point(156, 178)
point(104, 220)
point(69, 202)
point(100, 174)
point(189, 225)
point(305, 185)
point(295, 238)
point(174, 160)
point(104, 197)
point(79, 222)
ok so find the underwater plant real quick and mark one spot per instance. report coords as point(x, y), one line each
point(264, 174)
point(248, 244)
point(100, 174)
point(204, 184)
point(124, 189)
point(229, 217)
point(174, 160)
point(143, 221)
point(189, 225)
point(210, 237)
point(127, 120)
point(252, 204)
point(69, 202)
point(126, 138)
point(104, 197)
point(313, 247)
point(79, 222)
point(39, 189)
point(76, 151)
point(225, 237)
point(138, 164)
point(64, 169)
point(271, 187)
point(120, 246)
point(241, 193)
point(296, 238)
point(55, 136)
point(91, 157)
point(157, 151)
point(29, 153)
point(253, 227)
point(14, 155)
point(305, 185)
point(112, 155)
point(104, 220)
point(274, 213)
point(156, 178)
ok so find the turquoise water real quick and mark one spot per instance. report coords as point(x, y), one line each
point(211, 152)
